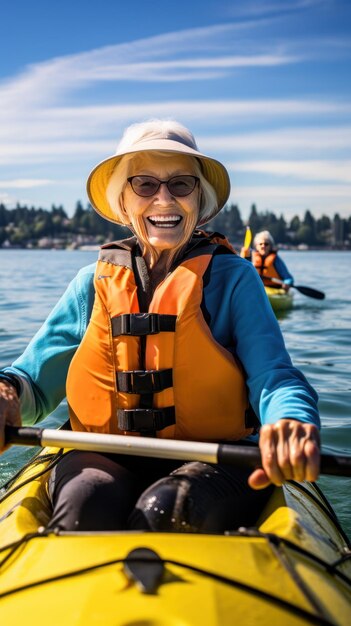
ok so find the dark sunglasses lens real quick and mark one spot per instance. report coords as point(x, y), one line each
point(178, 186)
point(145, 185)
point(181, 186)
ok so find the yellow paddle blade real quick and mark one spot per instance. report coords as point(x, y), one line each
point(248, 237)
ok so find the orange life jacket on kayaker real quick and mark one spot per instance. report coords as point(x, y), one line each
point(265, 267)
point(160, 371)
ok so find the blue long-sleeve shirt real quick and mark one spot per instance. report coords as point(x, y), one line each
point(282, 270)
point(240, 318)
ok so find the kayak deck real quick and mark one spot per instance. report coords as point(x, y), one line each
point(280, 572)
point(280, 299)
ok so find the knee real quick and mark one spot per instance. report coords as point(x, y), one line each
point(164, 507)
point(90, 492)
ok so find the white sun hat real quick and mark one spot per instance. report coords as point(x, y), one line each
point(177, 140)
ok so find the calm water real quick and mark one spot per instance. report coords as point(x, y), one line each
point(317, 334)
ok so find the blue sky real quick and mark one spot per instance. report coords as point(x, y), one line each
point(264, 86)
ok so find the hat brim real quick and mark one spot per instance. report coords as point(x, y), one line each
point(213, 170)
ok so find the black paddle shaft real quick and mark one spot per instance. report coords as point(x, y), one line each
point(250, 457)
point(306, 291)
point(311, 293)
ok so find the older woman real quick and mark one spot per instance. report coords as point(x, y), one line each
point(265, 259)
point(170, 335)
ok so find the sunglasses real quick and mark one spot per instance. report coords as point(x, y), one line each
point(178, 186)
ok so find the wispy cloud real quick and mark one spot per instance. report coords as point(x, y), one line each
point(169, 70)
point(138, 60)
point(338, 171)
point(258, 8)
point(68, 126)
point(51, 152)
point(283, 140)
point(47, 82)
point(294, 200)
point(188, 55)
point(23, 183)
point(284, 191)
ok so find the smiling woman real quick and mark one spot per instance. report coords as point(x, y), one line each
point(163, 215)
point(169, 336)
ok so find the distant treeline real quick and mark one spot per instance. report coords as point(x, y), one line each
point(31, 227)
point(24, 226)
point(324, 231)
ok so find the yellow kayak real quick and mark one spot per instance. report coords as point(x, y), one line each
point(280, 299)
point(292, 569)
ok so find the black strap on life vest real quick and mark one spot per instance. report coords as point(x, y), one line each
point(139, 324)
point(145, 420)
point(144, 381)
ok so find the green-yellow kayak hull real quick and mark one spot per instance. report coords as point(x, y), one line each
point(291, 569)
point(280, 299)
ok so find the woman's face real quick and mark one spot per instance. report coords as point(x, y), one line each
point(263, 246)
point(168, 220)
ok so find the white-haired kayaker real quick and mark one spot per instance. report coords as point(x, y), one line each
point(264, 257)
point(169, 335)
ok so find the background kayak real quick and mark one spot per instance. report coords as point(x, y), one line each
point(280, 299)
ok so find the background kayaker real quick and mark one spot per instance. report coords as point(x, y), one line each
point(215, 349)
point(265, 259)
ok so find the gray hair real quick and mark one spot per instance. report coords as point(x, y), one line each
point(264, 234)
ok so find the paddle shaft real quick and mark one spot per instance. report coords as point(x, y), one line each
point(306, 291)
point(236, 455)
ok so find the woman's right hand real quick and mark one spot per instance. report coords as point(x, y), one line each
point(245, 253)
point(9, 410)
point(290, 450)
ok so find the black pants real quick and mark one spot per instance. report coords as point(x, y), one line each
point(91, 491)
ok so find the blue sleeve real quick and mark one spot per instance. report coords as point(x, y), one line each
point(242, 320)
point(283, 271)
point(43, 366)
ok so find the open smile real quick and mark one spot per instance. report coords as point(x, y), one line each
point(165, 221)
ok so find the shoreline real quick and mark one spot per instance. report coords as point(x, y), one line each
point(237, 246)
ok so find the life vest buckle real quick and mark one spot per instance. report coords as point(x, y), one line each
point(144, 381)
point(145, 323)
point(141, 420)
point(139, 324)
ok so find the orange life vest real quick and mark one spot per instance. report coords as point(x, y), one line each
point(265, 267)
point(157, 372)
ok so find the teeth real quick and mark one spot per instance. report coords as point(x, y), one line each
point(165, 218)
point(165, 221)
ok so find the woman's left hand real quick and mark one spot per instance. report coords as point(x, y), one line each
point(290, 450)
